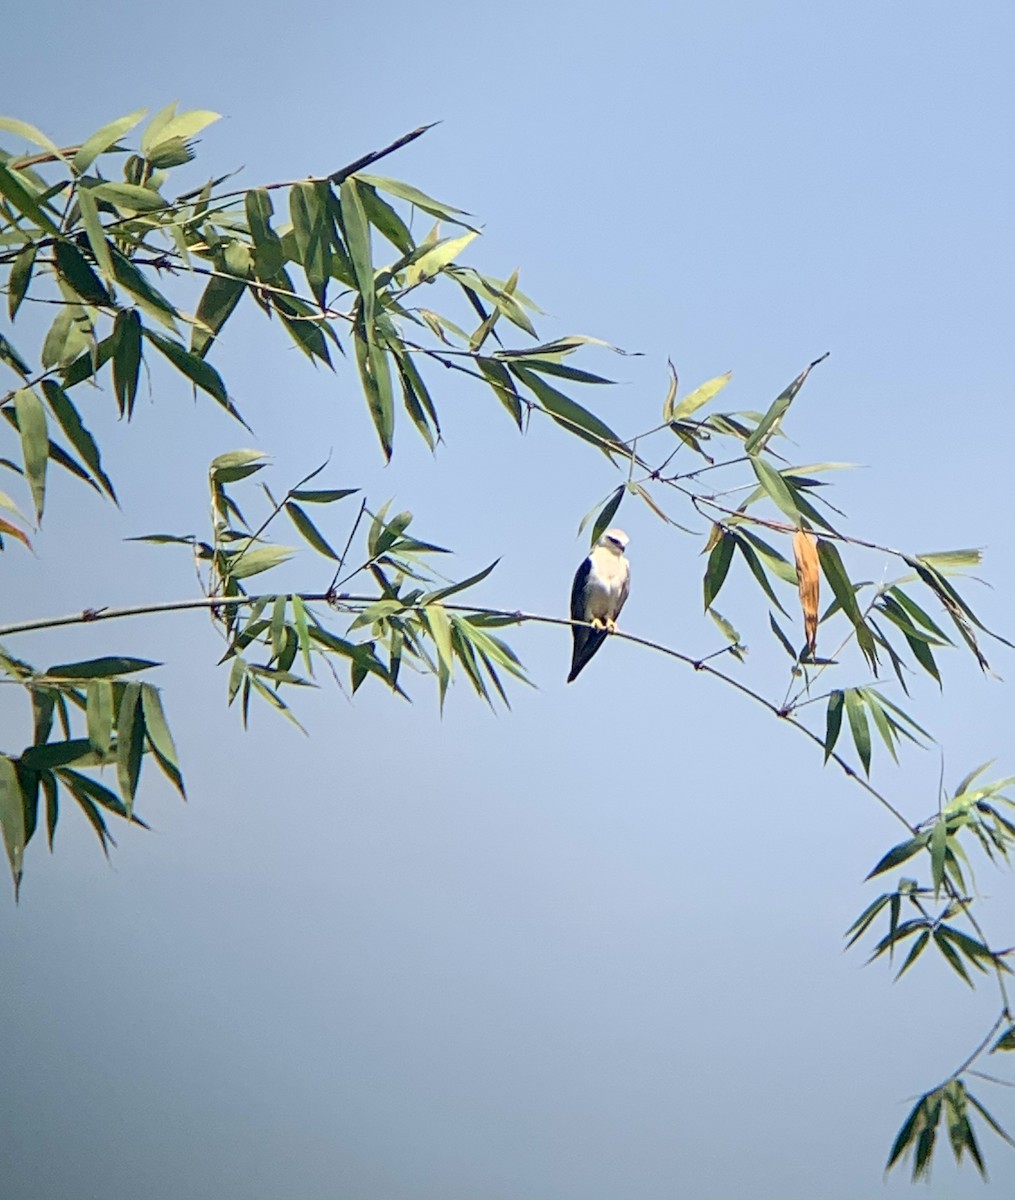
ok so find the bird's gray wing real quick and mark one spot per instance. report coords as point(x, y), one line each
point(586, 641)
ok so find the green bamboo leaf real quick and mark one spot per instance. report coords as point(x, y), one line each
point(130, 736)
point(385, 220)
point(1006, 1041)
point(833, 724)
point(22, 129)
point(858, 726)
point(235, 465)
point(322, 495)
point(309, 530)
point(102, 139)
point(148, 297)
point(786, 644)
point(770, 422)
point(159, 737)
point(179, 125)
point(866, 919)
point(907, 1134)
point(302, 631)
point(917, 613)
point(263, 558)
point(454, 588)
point(23, 200)
point(938, 841)
point(952, 560)
point(989, 1119)
point(718, 565)
point(50, 789)
point(882, 722)
point(915, 951)
point(100, 715)
point(435, 259)
point(100, 668)
point(60, 754)
point(77, 273)
point(776, 487)
point(842, 588)
point(218, 300)
point(127, 356)
point(949, 954)
point(268, 253)
point(699, 397)
point(899, 854)
point(503, 385)
point(405, 191)
point(31, 421)
point(375, 376)
point(94, 232)
point(84, 787)
point(567, 413)
point(562, 370)
point(12, 819)
point(20, 278)
point(312, 228)
point(357, 239)
point(419, 412)
point(13, 359)
point(753, 561)
point(671, 392)
point(128, 198)
point(66, 339)
point(200, 373)
point(79, 437)
point(606, 515)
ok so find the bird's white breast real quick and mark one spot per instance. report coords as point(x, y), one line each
point(606, 581)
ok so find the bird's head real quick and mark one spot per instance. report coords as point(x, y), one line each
point(615, 540)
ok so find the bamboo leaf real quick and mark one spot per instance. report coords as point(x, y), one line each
point(130, 734)
point(412, 195)
point(100, 668)
point(31, 420)
point(102, 139)
point(100, 715)
point(79, 437)
point(20, 278)
point(569, 414)
point(770, 422)
point(699, 397)
point(159, 736)
point(309, 530)
point(12, 819)
point(718, 564)
point(833, 724)
point(808, 582)
point(859, 728)
point(262, 558)
point(776, 487)
point(899, 854)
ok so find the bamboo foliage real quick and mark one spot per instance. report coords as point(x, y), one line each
point(95, 236)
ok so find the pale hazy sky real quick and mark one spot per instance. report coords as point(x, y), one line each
point(591, 948)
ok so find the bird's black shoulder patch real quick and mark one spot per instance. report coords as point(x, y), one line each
point(578, 591)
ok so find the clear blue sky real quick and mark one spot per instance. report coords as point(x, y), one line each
point(590, 948)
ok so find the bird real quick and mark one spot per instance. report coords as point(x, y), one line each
point(600, 587)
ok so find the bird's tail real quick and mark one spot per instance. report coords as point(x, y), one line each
point(586, 643)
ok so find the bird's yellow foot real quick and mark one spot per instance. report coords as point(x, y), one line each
point(597, 623)
point(611, 625)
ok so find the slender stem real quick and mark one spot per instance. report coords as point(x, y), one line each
point(341, 601)
point(348, 542)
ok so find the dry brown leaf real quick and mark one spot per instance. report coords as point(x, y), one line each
point(805, 551)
